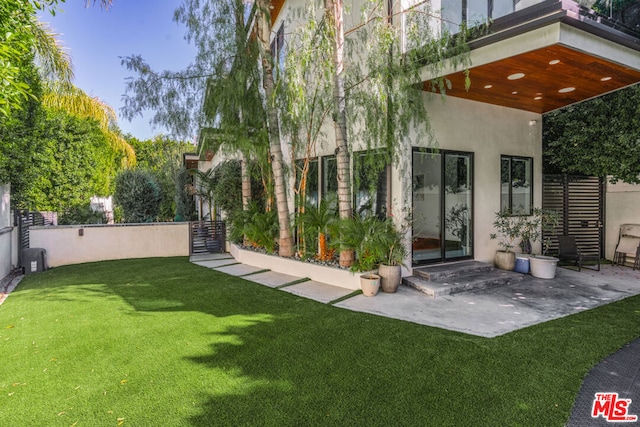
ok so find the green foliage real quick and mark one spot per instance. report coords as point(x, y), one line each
point(138, 193)
point(227, 191)
point(316, 220)
point(81, 214)
point(509, 228)
point(19, 132)
point(374, 241)
point(54, 161)
point(162, 158)
point(76, 162)
point(596, 138)
point(261, 227)
point(185, 203)
point(17, 22)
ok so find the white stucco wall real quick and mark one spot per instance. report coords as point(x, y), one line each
point(8, 250)
point(622, 207)
point(487, 131)
point(65, 245)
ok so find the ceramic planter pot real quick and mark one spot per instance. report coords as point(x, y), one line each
point(543, 267)
point(370, 284)
point(505, 260)
point(390, 277)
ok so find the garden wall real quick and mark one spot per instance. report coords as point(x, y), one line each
point(8, 233)
point(622, 207)
point(74, 244)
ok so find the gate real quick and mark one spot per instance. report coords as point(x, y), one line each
point(579, 200)
point(24, 220)
point(207, 236)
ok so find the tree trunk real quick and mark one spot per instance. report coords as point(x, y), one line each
point(333, 12)
point(246, 187)
point(263, 25)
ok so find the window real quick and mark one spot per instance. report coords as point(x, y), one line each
point(516, 183)
point(370, 195)
point(310, 190)
point(278, 52)
point(329, 177)
point(472, 12)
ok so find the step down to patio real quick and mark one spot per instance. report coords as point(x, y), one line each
point(447, 279)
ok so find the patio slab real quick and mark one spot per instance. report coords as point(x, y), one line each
point(209, 257)
point(238, 269)
point(497, 311)
point(317, 291)
point(216, 263)
point(272, 279)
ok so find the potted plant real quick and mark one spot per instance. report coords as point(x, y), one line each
point(543, 266)
point(390, 269)
point(365, 235)
point(508, 230)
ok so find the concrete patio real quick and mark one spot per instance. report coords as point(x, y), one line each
point(487, 312)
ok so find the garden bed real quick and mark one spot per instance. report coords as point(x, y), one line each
point(315, 270)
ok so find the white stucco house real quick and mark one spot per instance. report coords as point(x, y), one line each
point(538, 56)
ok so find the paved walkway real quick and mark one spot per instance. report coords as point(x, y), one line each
point(8, 284)
point(487, 313)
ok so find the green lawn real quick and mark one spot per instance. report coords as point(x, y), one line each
point(162, 342)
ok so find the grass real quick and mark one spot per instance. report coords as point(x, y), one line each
point(162, 342)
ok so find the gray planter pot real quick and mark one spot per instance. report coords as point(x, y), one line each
point(390, 277)
point(505, 260)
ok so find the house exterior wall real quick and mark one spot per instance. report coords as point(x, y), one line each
point(8, 233)
point(65, 245)
point(488, 132)
point(8, 250)
point(622, 207)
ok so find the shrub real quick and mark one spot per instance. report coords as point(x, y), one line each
point(138, 193)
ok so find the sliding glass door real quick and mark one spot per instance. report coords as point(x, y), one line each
point(442, 206)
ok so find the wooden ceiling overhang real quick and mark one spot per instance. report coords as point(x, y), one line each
point(190, 160)
point(543, 64)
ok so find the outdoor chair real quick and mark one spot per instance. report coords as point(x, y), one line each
point(568, 250)
point(628, 245)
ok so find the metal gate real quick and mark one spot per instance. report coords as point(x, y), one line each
point(207, 236)
point(579, 200)
point(24, 220)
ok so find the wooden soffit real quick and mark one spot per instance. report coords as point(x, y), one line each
point(542, 80)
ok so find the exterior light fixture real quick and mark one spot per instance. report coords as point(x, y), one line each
point(567, 89)
point(604, 79)
point(488, 86)
point(554, 62)
point(516, 76)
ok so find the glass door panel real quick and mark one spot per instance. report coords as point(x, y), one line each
point(427, 230)
point(442, 206)
point(457, 205)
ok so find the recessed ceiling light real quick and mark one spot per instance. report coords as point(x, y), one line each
point(567, 89)
point(516, 76)
point(488, 86)
point(515, 92)
point(604, 79)
point(538, 98)
point(554, 62)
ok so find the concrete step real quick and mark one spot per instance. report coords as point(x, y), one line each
point(450, 270)
point(453, 285)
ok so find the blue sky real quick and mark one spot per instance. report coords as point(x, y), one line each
point(96, 38)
